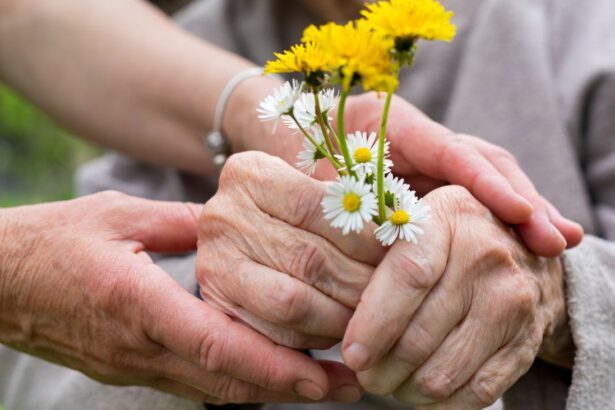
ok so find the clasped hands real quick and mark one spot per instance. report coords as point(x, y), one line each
point(451, 322)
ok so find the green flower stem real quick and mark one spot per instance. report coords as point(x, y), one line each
point(341, 133)
point(381, 142)
point(321, 123)
point(318, 147)
point(332, 131)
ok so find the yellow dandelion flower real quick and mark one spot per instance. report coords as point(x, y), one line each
point(303, 58)
point(360, 53)
point(410, 19)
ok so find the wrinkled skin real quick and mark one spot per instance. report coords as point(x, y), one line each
point(428, 155)
point(454, 321)
point(269, 259)
point(267, 256)
point(78, 289)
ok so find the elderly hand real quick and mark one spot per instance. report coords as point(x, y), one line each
point(78, 289)
point(455, 320)
point(429, 155)
point(269, 258)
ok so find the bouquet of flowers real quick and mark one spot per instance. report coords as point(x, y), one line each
point(369, 53)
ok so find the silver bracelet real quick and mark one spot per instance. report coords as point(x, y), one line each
point(215, 141)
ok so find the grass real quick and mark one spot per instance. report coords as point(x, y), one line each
point(37, 158)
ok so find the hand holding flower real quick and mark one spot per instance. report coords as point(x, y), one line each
point(371, 52)
point(454, 321)
point(268, 258)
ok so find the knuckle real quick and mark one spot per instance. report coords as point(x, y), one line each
point(306, 261)
point(237, 166)
point(215, 219)
point(212, 349)
point(414, 348)
point(500, 154)
point(246, 166)
point(414, 271)
point(457, 198)
point(436, 385)
point(455, 149)
point(459, 194)
point(525, 301)
point(521, 300)
point(497, 258)
point(292, 304)
point(305, 206)
point(374, 382)
point(484, 390)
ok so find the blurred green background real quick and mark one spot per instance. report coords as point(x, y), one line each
point(37, 158)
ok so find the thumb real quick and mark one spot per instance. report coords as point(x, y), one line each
point(162, 226)
point(207, 338)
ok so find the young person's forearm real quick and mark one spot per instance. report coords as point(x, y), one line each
point(123, 75)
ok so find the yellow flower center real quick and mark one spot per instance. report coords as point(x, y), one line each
point(351, 202)
point(362, 155)
point(400, 217)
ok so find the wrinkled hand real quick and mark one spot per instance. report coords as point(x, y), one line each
point(429, 155)
point(78, 289)
point(269, 258)
point(453, 321)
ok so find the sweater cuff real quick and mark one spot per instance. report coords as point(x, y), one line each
point(590, 279)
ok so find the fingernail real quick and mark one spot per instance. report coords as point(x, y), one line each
point(529, 205)
point(529, 208)
point(562, 241)
point(356, 356)
point(309, 389)
point(347, 394)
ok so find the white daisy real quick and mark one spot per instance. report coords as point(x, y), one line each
point(280, 103)
point(394, 189)
point(349, 203)
point(364, 152)
point(305, 108)
point(402, 221)
point(310, 155)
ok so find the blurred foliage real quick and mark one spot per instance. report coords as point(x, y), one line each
point(37, 158)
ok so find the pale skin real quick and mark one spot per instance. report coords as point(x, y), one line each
point(121, 74)
point(406, 315)
point(79, 289)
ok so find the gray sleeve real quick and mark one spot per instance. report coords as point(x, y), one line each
point(590, 268)
point(590, 281)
